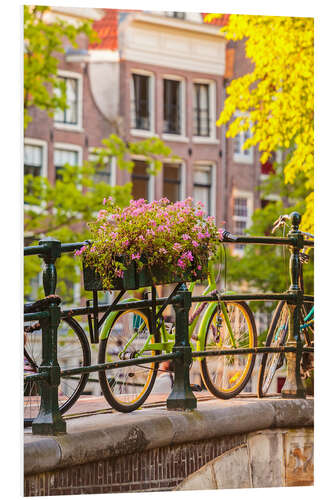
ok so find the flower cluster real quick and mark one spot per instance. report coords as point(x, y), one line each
point(171, 236)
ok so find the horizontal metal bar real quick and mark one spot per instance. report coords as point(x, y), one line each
point(35, 250)
point(246, 296)
point(308, 298)
point(121, 363)
point(36, 376)
point(247, 350)
point(263, 240)
point(36, 315)
point(308, 349)
point(143, 304)
point(71, 247)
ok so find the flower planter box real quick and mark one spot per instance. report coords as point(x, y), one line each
point(134, 279)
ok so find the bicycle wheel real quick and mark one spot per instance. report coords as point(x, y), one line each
point(126, 388)
point(72, 351)
point(226, 376)
point(277, 336)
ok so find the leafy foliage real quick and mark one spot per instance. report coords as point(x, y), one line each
point(265, 268)
point(63, 209)
point(42, 42)
point(276, 99)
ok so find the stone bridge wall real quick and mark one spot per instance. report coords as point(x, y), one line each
point(221, 445)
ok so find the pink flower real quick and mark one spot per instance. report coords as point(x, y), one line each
point(199, 267)
point(104, 201)
point(188, 255)
point(135, 256)
point(195, 243)
point(163, 250)
point(119, 273)
point(181, 263)
point(79, 252)
point(186, 237)
point(177, 246)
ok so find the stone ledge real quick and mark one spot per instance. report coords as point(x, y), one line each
point(103, 436)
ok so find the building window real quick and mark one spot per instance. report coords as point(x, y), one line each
point(141, 102)
point(172, 106)
point(103, 171)
point(172, 182)
point(240, 155)
point(63, 157)
point(241, 216)
point(177, 15)
point(202, 186)
point(201, 118)
point(140, 180)
point(33, 160)
point(70, 115)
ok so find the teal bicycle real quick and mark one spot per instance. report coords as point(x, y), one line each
point(278, 330)
point(213, 326)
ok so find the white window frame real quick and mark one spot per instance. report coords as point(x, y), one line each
point(151, 131)
point(182, 136)
point(43, 144)
point(181, 164)
point(69, 126)
point(113, 170)
point(242, 157)
point(250, 203)
point(212, 166)
point(69, 147)
point(212, 112)
point(151, 180)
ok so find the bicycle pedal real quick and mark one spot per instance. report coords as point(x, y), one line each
point(196, 388)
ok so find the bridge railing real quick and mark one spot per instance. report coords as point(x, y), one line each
point(49, 420)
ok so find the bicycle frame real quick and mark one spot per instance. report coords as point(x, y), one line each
point(167, 341)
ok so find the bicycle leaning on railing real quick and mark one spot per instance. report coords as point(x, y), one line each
point(53, 384)
point(279, 328)
point(127, 334)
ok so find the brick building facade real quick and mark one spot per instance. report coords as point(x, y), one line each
point(153, 74)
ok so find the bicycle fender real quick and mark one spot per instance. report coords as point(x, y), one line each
point(112, 316)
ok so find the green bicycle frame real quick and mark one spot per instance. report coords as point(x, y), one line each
point(167, 339)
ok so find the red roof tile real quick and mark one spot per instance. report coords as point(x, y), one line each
point(221, 21)
point(107, 30)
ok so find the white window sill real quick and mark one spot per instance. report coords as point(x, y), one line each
point(142, 133)
point(67, 126)
point(248, 160)
point(175, 138)
point(204, 140)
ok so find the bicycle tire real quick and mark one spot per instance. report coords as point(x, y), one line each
point(277, 336)
point(75, 352)
point(215, 368)
point(114, 383)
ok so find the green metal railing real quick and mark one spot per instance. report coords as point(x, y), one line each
point(49, 420)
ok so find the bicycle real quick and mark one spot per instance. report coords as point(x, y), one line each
point(126, 335)
point(278, 330)
point(73, 351)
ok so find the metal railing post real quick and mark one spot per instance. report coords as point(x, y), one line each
point(182, 397)
point(293, 386)
point(49, 420)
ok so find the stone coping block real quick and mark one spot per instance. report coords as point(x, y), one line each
point(92, 438)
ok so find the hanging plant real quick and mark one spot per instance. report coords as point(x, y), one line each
point(148, 243)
